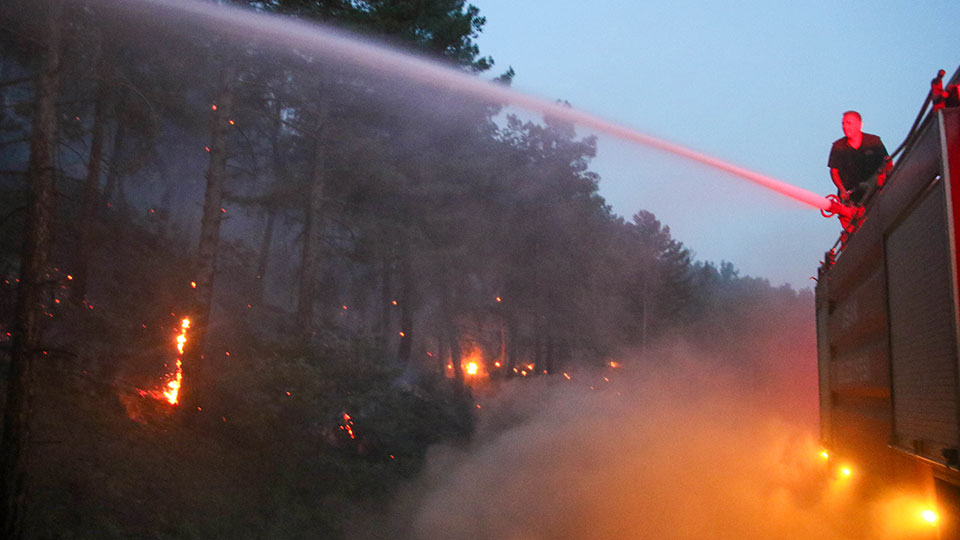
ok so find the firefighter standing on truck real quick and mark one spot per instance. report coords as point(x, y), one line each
point(855, 158)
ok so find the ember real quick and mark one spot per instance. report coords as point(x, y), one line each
point(346, 425)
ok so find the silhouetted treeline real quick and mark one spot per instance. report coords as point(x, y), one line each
point(341, 241)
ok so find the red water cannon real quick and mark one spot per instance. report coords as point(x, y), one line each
point(837, 207)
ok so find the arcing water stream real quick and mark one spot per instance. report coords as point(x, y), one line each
point(339, 46)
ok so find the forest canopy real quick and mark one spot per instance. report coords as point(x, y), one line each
point(346, 258)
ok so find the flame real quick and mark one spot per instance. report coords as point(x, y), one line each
point(345, 426)
point(474, 365)
point(173, 387)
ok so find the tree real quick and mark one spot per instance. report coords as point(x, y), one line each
point(14, 446)
point(193, 364)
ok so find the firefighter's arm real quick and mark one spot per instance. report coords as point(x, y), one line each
point(884, 169)
point(835, 176)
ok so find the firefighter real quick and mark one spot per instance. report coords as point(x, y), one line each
point(855, 158)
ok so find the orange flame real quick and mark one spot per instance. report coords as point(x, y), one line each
point(347, 422)
point(173, 387)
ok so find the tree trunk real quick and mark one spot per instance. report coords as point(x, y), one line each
point(91, 188)
point(511, 344)
point(313, 228)
point(113, 166)
point(194, 377)
point(165, 210)
point(408, 305)
point(456, 355)
point(537, 344)
point(386, 301)
point(264, 257)
point(14, 445)
point(549, 357)
point(279, 175)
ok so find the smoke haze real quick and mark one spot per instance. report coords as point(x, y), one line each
point(686, 444)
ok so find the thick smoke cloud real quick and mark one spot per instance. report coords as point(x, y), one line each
point(682, 444)
point(674, 452)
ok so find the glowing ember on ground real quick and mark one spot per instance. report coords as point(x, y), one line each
point(345, 426)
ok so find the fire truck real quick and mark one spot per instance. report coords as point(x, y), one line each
point(888, 323)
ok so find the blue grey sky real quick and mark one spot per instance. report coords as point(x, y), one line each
point(760, 84)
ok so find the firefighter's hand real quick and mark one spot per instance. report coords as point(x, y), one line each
point(844, 196)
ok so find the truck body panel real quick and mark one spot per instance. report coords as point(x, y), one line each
point(888, 325)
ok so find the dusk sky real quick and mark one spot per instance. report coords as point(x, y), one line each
point(760, 84)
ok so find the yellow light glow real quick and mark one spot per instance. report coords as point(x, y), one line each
point(472, 368)
point(930, 516)
point(846, 471)
point(825, 455)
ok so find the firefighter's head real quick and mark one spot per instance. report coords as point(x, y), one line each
point(852, 123)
